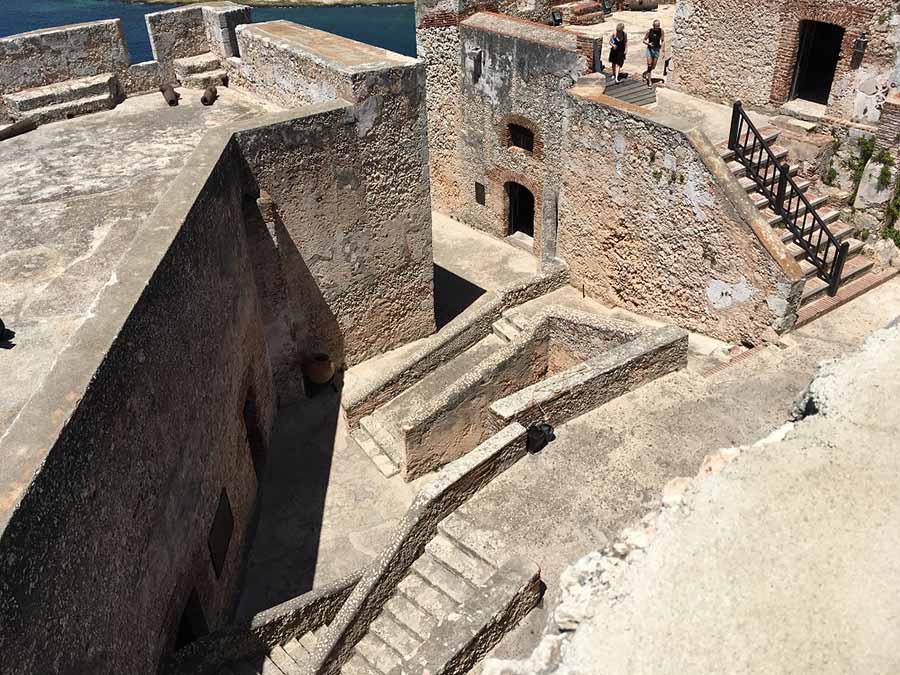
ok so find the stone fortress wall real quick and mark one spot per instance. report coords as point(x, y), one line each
point(57, 55)
point(734, 49)
point(628, 202)
point(130, 478)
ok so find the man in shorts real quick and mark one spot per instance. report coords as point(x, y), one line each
point(655, 39)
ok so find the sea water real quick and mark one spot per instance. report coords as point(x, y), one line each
point(388, 26)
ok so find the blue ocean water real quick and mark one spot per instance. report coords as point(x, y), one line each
point(390, 26)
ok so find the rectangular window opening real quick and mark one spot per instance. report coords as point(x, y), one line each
point(479, 193)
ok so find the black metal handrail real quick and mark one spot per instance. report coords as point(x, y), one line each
point(773, 180)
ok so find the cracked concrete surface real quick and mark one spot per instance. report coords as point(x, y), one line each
point(71, 208)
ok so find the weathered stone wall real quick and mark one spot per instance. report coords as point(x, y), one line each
point(351, 194)
point(735, 49)
point(103, 548)
point(654, 231)
point(54, 55)
point(509, 72)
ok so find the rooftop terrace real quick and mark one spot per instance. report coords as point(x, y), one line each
point(75, 195)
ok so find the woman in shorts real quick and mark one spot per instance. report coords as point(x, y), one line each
point(655, 39)
point(618, 46)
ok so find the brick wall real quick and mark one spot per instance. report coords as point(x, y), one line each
point(888, 133)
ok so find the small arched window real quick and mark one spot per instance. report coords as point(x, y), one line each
point(521, 137)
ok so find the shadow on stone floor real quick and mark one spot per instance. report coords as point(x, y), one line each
point(452, 295)
point(282, 561)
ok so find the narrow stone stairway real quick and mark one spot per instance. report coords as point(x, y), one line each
point(201, 71)
point(453, 604)
point(289, 658)
point(64, 100)
point(859, 274)
point(379, 434)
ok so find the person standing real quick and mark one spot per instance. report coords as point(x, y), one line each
point(618, 47)
point(655, 39)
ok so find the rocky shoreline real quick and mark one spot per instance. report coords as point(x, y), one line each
point(285, 3)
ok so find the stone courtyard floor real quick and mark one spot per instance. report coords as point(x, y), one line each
point(326, 510)
point(73, 196)
point(607, 468)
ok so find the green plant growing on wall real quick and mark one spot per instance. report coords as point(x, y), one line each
point(857, 165)
point(884, 177)
point(830, 175)
point(864, 233)
point(892, 234)
point(657, 174)
point(893, 208)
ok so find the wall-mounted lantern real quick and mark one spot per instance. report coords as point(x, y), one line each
point(556, 17)
point(859, 50)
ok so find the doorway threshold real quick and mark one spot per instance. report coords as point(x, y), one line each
point(521, 240)
point(804, 110)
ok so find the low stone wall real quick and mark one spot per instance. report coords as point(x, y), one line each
point(668, 232)
point(588, 385)
point(456, 483)
point(263, 631)
point(458, 419)
point(461, 333)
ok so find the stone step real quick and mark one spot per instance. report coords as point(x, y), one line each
point(831, 218)
point(308, 641)
point(760, 201)
point(357, 666)
point(374, 451)
point(770, 134)
point(809, 270)
point(816, 201)
point(854, 268)
point(443, 578)
point(410, 615)
point(739, 170)
point(382, 436)
point(426, 597)
point(70, 91)
point(286, 664)
point(750, 185)
point(192, 65)
point(401, 640)
point(297, 651)
point(70, 109)
point(472, 569)
point(848, 290)
point(377, 653)
point(840, 230)
point(480, 543)
point(209, 78)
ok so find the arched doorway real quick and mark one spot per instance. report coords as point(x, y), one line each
point(520, 209)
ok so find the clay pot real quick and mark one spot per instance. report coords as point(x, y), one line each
point(319, 369)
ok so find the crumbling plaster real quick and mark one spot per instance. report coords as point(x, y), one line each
point(656, 234)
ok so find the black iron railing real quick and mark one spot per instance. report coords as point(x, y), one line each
point(773, 180)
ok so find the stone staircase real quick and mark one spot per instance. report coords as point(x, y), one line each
point(581, 12)
point(64, 100)
point(631, 90)
point(201, 71)
point(290, 658)
point(379, 435)
point(859, 274)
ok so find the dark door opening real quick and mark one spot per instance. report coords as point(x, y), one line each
point(521, 209)
point(817, 59)
point(193, 622)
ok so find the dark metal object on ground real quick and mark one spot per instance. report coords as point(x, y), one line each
point(209, 96)
point(17, 129)
point(539, 435)
point(773, 181)
point(556, 18)
point(169, 93)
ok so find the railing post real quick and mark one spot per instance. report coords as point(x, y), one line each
point(781, 192)
point(837, 269)
point(735, 125)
